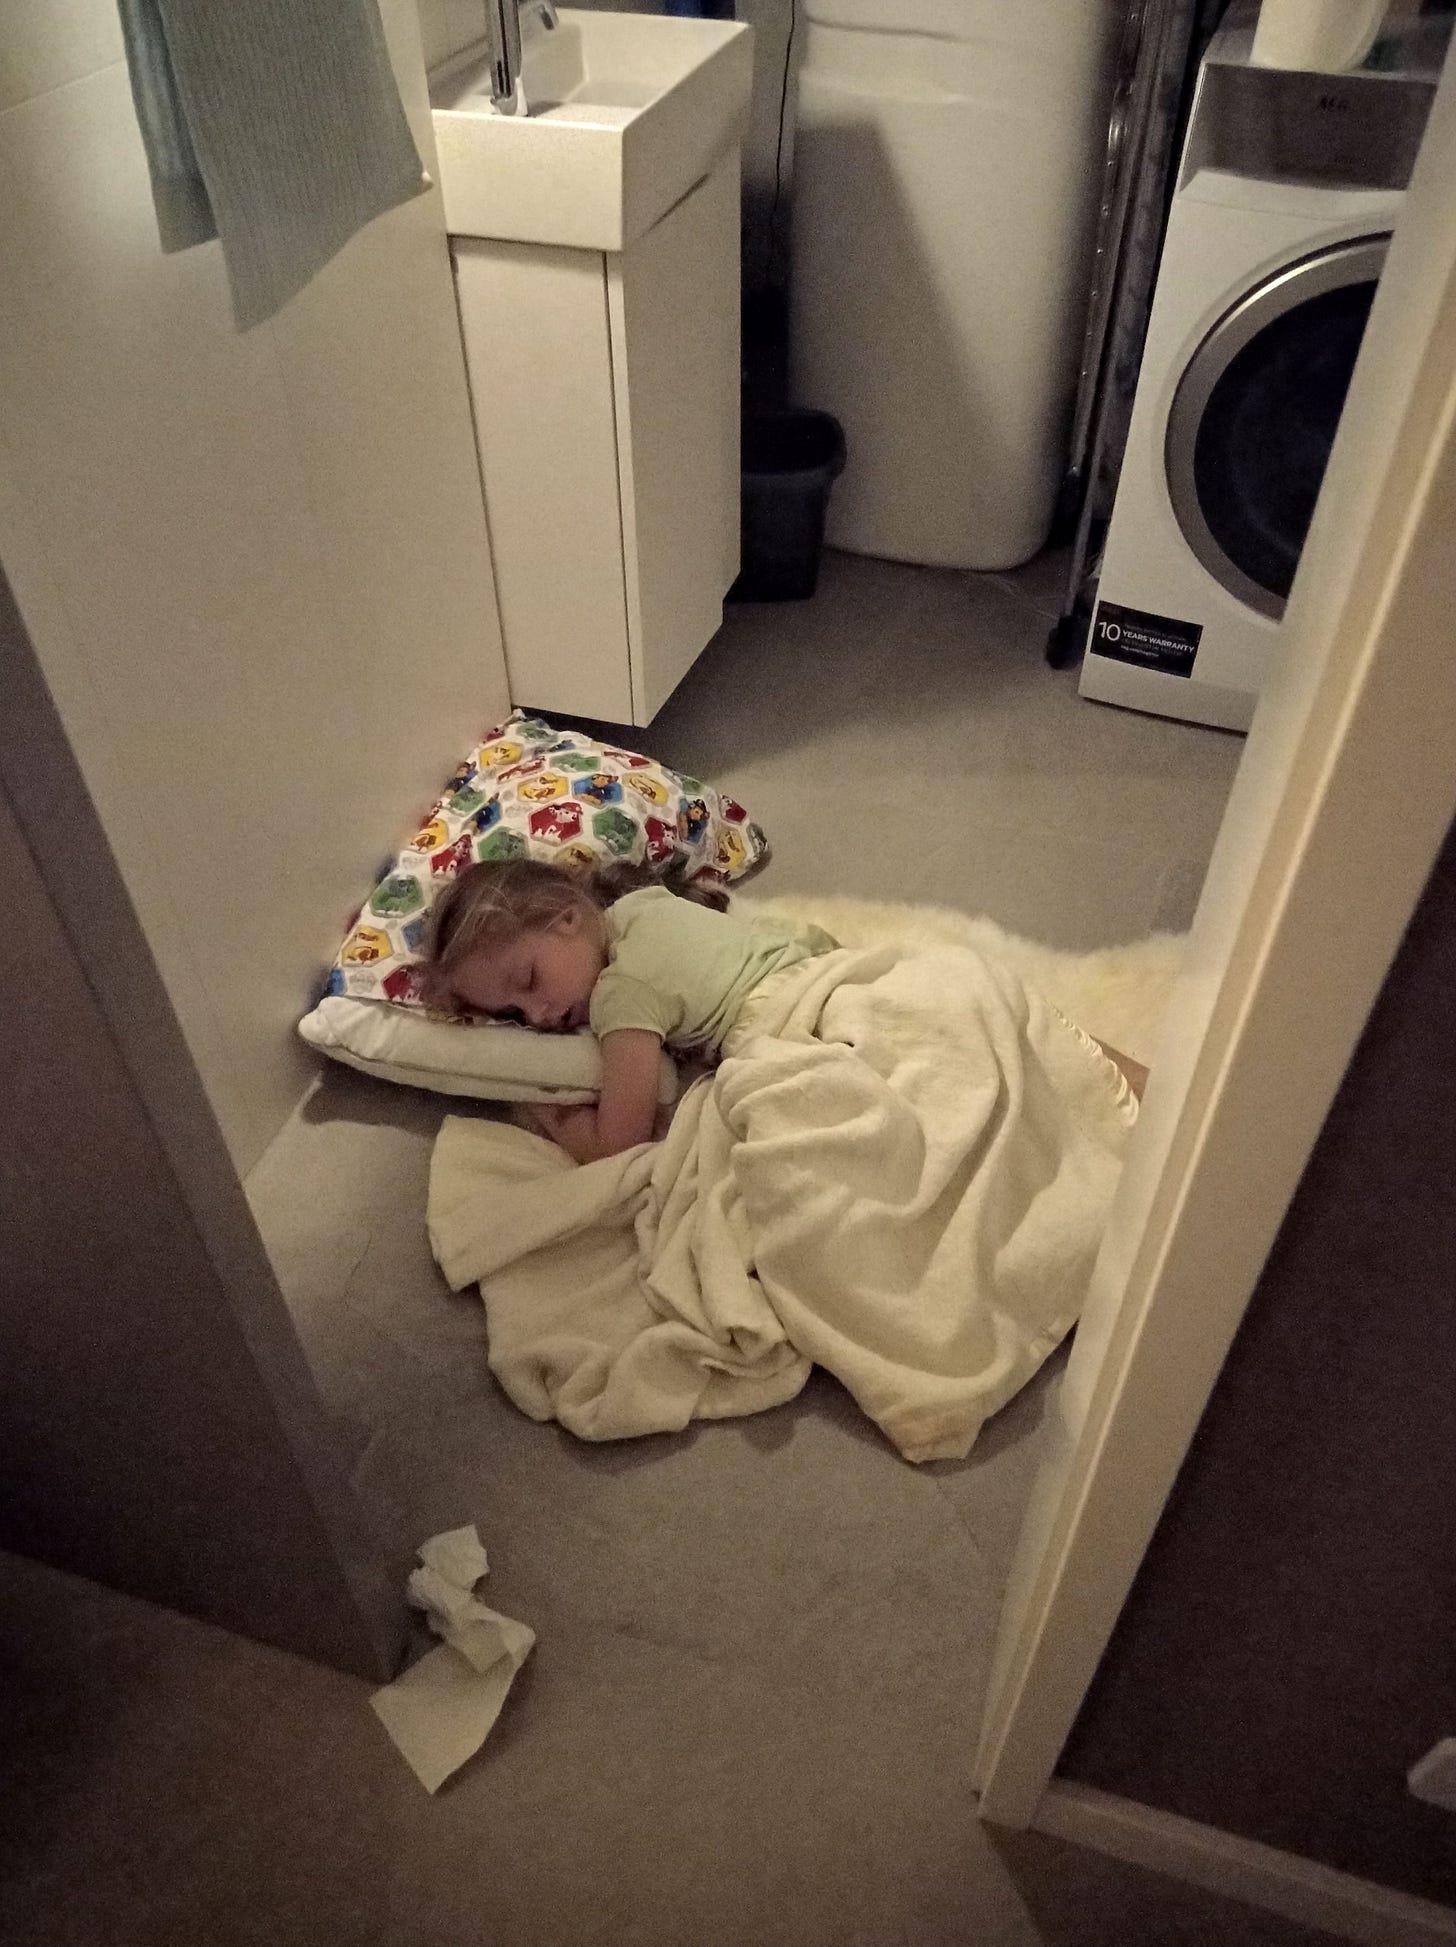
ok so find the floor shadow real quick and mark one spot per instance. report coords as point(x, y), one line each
point(345, 1095)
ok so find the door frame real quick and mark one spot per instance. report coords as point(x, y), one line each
point(272, 1540)
point(1344, 795)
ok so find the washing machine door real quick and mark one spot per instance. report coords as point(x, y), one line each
point(1254, 417)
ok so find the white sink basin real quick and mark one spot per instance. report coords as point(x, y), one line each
point(627, 113)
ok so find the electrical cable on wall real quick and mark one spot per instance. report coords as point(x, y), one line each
point(773, 215)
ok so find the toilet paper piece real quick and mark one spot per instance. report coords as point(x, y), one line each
point(457, 1555)
point(441, 1710)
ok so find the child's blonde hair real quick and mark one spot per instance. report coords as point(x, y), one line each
point(493, 903)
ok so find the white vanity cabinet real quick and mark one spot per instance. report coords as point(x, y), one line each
point(596, 245)
point(606, 395)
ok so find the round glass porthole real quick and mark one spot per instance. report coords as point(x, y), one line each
point(1255, 413)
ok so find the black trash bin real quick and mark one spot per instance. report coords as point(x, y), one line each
point(791, 457)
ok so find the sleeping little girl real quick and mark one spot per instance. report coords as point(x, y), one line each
point(643, 966)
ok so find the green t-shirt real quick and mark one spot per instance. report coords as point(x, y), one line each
point(683, 971)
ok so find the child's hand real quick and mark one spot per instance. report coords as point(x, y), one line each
point(565, 1124)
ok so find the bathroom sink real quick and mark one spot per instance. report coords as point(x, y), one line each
point(626, 113)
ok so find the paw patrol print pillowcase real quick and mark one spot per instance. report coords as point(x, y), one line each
point(529, 791)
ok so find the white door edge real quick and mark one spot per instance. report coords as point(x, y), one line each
point(1236, 1868)
point(1346, 790)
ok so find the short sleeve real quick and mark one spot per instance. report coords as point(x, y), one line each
point(620, 1001)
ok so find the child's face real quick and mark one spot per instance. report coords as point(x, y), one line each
point(544, 978)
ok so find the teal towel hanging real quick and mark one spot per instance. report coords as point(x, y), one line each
point(273, 125)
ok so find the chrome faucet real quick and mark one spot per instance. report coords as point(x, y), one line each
point(503, 20)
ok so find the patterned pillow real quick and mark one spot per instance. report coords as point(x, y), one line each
point(531, 791)
point(528, 791)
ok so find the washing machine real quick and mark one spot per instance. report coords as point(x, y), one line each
point(1288, 188)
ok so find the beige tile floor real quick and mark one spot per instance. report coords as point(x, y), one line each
point(902, 736)
point(751, 1714)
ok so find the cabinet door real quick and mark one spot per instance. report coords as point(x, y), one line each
point(534, 320)
point(674, 301)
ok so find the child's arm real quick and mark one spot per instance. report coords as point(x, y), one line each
point(627, 1107)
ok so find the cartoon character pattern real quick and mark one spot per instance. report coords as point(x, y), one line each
point(532, 791)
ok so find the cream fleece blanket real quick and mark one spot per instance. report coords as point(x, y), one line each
point(900, 1171)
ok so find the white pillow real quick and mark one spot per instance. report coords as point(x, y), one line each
point(492, 1060)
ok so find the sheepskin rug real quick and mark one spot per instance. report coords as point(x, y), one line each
point(1117, 993)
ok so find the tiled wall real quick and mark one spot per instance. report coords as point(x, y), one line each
point(44, 45)
point(254, 567)
point(448, 25)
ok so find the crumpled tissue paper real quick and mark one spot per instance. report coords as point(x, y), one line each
point(441, 1710)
